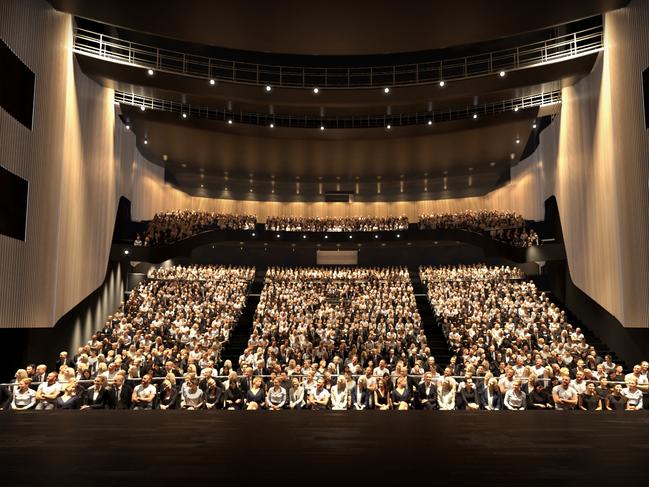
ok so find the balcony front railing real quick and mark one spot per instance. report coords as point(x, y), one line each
point(556, 49)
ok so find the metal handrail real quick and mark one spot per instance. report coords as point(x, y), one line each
point(560, 48)
point(340, 122)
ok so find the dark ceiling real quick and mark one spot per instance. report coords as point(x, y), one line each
point(336, 27)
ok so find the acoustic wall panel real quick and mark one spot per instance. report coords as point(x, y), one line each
point(16, 86)
point(13, 204)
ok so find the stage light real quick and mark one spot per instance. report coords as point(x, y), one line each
point(128, 127)
point(229, 121)
point(184, 115)
point(251, 190)
point(533, 125)
point(475, 115)
point(321, 127)
point(442, 84)
point(304, 237)
point(398, 235)
point(149, 72)
point(142, 107)
point(388, 126)
point(254, 234)
point(376, 236)
point(316, 90)
point(202, 185)
point(518, 141)
point(278, 235)
point(146, 141)
point(272, 125)
point(502, 74)
point(268, 88)
point(212, 82)
point(326, 236)
point(516, 108)
point(350, 237)
point(386, 90)
point(126, 252)
point(430, 122)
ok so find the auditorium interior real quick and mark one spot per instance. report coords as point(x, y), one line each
point(227, 228)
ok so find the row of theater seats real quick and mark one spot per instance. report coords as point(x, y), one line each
point(347, 335)
point(170, 227)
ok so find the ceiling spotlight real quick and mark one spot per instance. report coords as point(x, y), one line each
point(212, 82)
point(149, 72)
point(518, 141)
point(475, 115)
point(386, 90)
point(516, 108)
point(184, 115)
point(251, 190)
point(142, 107)
point(326, 236)
point(229, 121)
point(278, 235)
point(350, 237)
point(254, 234)
point(304, 237)
point(126, 252)
point(146, 141)
point(128, 127)
point(268, 88)
point(376, 236)
point(398, 235)
point(442, 84)
point(533, 125)
point(388, 126)
point(502, 74)
point(316, 90)
point(202, 185)
point(321, 127)
point(430, 122)
point(272, 125)
point(225, 189)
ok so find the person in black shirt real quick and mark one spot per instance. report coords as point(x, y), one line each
point(468, 396)
point(603, 390)
point(539, 397)
point(615, 400)
point(589, 400)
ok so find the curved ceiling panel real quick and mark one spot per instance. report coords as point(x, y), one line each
point(336, 27)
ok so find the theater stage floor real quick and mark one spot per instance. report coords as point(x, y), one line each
point(174, 447)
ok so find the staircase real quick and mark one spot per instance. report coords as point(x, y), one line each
point(436, 339)
point(241, 334)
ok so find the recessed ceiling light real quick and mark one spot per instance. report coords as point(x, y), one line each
point(149, 72)
point(316, 90)
point(502, 74)
point(430, 122)
point(441, 84)
point(229, 121)
point(268, 88)
point(386, 90)
point(212, 82)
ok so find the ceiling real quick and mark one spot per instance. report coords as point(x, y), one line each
point(335, 27)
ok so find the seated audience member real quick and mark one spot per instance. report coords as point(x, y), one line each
point(276, 396)
point(515, 399)
point(214, 395)
point(359, 394)
point(428, 391)
point(446, 395)
point(340, 395)
point(633, 395)
point(318, 398)
point(603, 389)
point(96, 397)
point(589, 400)
point(296, 395)
point(401, 395)
point(40, 376)
point(539, 398)
point(256, 395)
point(24, 398)
point(47, 392)
point(382, 396)
point(168, 396)
point(234, 397)
point(616, 401)
point(491, 398)
point(144, 394)
point(192, 396)
point(121, 393)
point(563, 395)
point(69, 399)
point(468, 396)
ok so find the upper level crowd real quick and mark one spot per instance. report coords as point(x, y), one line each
point(334, 338)
point(336, 224)
point(169, 227)
point(505, 226)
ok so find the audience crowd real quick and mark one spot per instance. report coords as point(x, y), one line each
point(337, 338)
point(169, 227)
point(336, 224)
point(505, 226)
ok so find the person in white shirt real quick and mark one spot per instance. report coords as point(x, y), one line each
point(24, 397)
point(144, 394)
point(340, 395)
point(296, 394)
point(48, 392)
point(633, 395)
point(515, 399)
point(319, 397)
point(564, 396)
point(276, 396)
point(579, 383)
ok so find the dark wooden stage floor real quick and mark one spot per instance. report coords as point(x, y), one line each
point(339, 449)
